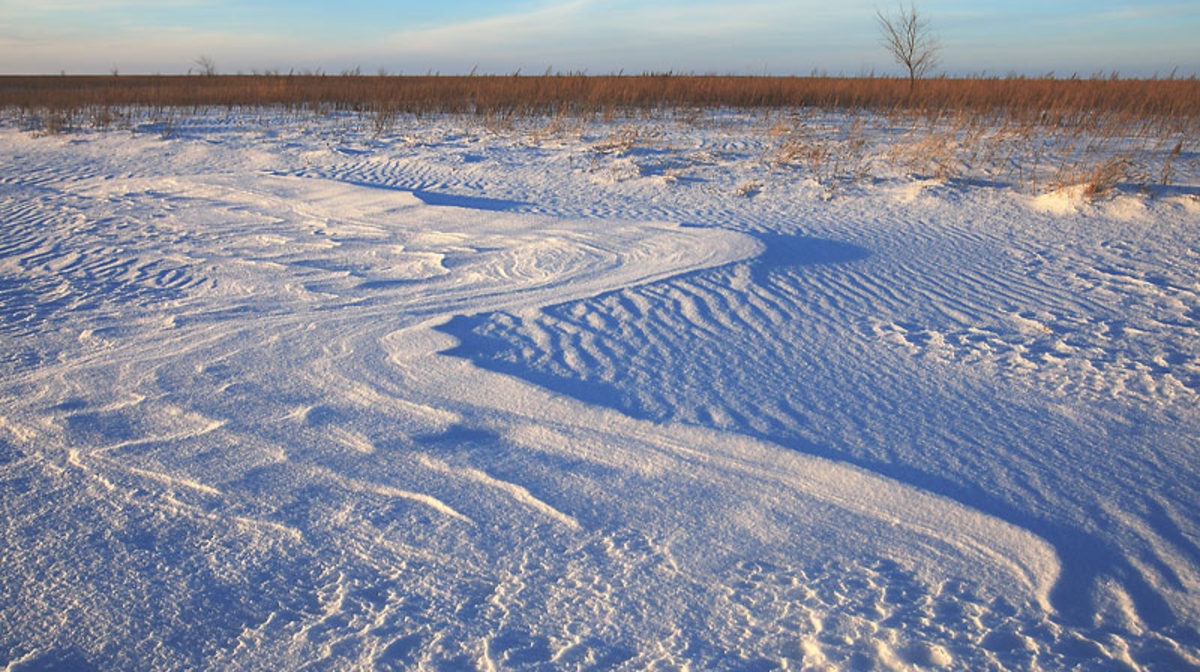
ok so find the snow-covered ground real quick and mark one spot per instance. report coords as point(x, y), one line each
point(276, 393)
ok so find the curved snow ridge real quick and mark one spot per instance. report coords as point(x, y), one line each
point(444, 257)
point(517, 492)
point(358, 485)
point(978, 537)
point(987, 549)
point(704, 503)
point(602, 342)
point(709, 505)
point(621, 257)
point(938, 536)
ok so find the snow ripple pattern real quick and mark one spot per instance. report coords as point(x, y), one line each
point(300, 399)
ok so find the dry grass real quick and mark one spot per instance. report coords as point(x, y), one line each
point(1038, 133)
point(1107, 175)
point(1041, 99)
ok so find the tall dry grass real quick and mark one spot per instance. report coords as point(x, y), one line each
point(1042, 132)
point(1020, 97)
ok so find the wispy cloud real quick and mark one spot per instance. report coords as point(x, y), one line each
point(561, 22)
point(625, 32)
point(552, 23)
point(1164, 12)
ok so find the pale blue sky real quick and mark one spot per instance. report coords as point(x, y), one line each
point(634, 36)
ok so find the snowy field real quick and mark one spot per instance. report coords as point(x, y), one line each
point(277, 392)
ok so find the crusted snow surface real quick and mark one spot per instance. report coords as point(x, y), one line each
point(278, 394)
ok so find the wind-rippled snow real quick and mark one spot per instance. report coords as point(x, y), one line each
point(283, 395)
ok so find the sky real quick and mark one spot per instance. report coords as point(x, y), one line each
point(746, 37)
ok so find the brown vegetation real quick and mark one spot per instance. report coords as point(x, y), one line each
point(1057, 98)
point(1039, 132)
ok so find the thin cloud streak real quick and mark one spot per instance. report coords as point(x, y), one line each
point(553, 24)
point(616, 35)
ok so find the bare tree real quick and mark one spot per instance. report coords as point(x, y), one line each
point(208, 67)
point(909, 40)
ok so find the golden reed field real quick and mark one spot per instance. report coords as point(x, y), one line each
point(583, 93)
point(1095, 132)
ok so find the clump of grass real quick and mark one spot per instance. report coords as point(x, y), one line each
point(934, 155)
point(749, 189)
point(1106, 176)
point(1169, 162)
point(832, 154)
point(623, 141)
point(384, 114)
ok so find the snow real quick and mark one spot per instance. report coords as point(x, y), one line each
point(279, 394)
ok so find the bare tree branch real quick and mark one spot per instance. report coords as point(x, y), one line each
point(909, 40)
point(208, 67)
